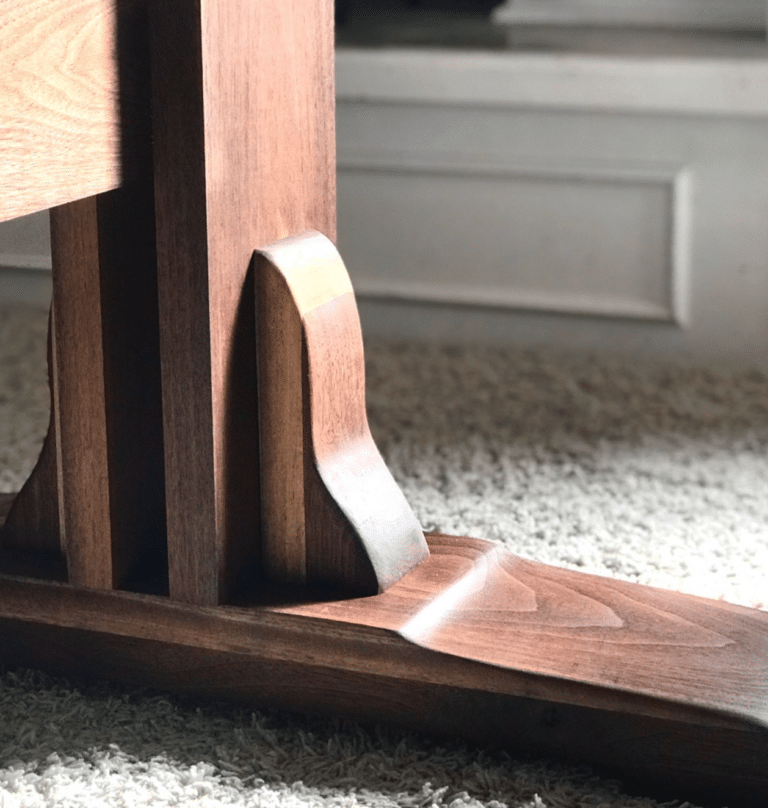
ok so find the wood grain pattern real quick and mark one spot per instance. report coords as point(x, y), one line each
point(617, 659)
point(82, 68)
point(244, 155)
point(367, 636)
point(331, 512)
point(127, 266)
point(68, 100)
point(96, 493)
point(79, 380)
point(710, 765)
point(473, 600)
point(473, 642)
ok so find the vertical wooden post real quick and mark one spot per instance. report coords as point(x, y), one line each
point(243, 104)
point(80, 394)
point(106, 384)
point(97, 491)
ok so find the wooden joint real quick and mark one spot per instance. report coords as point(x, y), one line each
point(332, 514)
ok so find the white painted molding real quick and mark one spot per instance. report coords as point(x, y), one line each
point(21, 286)
point(512, 298)
point(722, 86)
point(727, 15)
point(681, 246)
point(25, 261)
point(673, 177)
point(509, 165)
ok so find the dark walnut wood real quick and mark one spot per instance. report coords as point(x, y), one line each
point(475, 601)
point(244, 155)
point(331, 512)
point(663, 687)
point(96, 494)
point(155, 426)
point(94, 504)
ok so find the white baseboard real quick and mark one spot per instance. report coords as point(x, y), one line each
point(25, 261)
point(28, 287)
point(729, 15)
point(28, 260)
point(730, 82)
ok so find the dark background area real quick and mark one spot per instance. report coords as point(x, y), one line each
point(422, 23)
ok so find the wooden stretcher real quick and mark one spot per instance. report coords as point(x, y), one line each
point(209, 513)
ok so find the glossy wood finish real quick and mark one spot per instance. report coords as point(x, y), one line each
point(68, 105)
point(331, 512)
point(81, 412)
point(96, 493)
point(76, 109)
point(472, 642)
point(244, 155)
point(475, 601)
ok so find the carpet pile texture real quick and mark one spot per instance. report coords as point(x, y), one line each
point(644, 470)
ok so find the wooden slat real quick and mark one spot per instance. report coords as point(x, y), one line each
point(107, 384)
point(97, 490)
point(244, 155)
point(81, 395)
point(331, 512)
point(67, 102)
point(636, 649)
point(131, 352)
point(281, 366)
point(475, 642)
point(709, 765)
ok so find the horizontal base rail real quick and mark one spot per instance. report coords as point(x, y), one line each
point(667, 690)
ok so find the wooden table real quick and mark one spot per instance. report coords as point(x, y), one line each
point(209, 513)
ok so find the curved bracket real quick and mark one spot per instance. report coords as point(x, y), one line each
point(331, 512)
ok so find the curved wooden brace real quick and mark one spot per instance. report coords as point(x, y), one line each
point(331, 512)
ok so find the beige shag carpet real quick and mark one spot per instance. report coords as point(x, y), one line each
point(648, 471)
